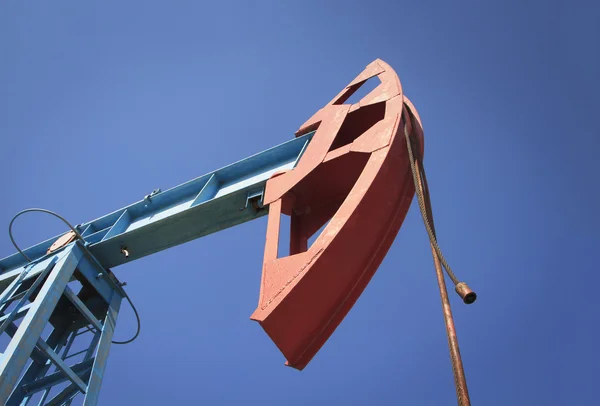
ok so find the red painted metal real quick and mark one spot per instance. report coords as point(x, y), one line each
point(356, 174)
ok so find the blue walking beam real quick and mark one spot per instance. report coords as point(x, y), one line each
point(64, 295)
point(213, 202)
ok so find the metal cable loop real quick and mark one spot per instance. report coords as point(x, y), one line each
point(41, 211)
point(137, 316)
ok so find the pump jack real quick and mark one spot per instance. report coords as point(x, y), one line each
point(351, 170)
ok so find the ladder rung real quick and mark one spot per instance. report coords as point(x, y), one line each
point(6, 295)
point(57, 377)
point(41, 277)
point(87, 330)
point(76, 354)
point(17, 296)
point(20, 313)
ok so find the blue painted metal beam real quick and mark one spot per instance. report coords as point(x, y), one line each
point(210, 203)
point(108, 329)
point(56, 378)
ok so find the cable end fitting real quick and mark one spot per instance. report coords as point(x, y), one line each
point(465, 292)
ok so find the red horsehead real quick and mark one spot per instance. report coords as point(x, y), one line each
point(355, 173)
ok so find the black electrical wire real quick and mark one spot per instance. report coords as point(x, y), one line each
point(139, 323)
point(78, 235)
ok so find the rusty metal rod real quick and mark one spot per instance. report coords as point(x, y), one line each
point(460, 381)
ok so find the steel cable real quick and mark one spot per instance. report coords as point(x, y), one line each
point(137, 316)
point(423, 207)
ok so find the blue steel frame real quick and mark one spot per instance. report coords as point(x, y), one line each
point(56, 311)
point(38, 293)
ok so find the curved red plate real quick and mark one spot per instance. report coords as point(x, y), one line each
point(355, 173)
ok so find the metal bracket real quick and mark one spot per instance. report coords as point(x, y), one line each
point(151, 195)
point(255, 200)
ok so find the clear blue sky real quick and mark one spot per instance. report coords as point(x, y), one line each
point(101, 104)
